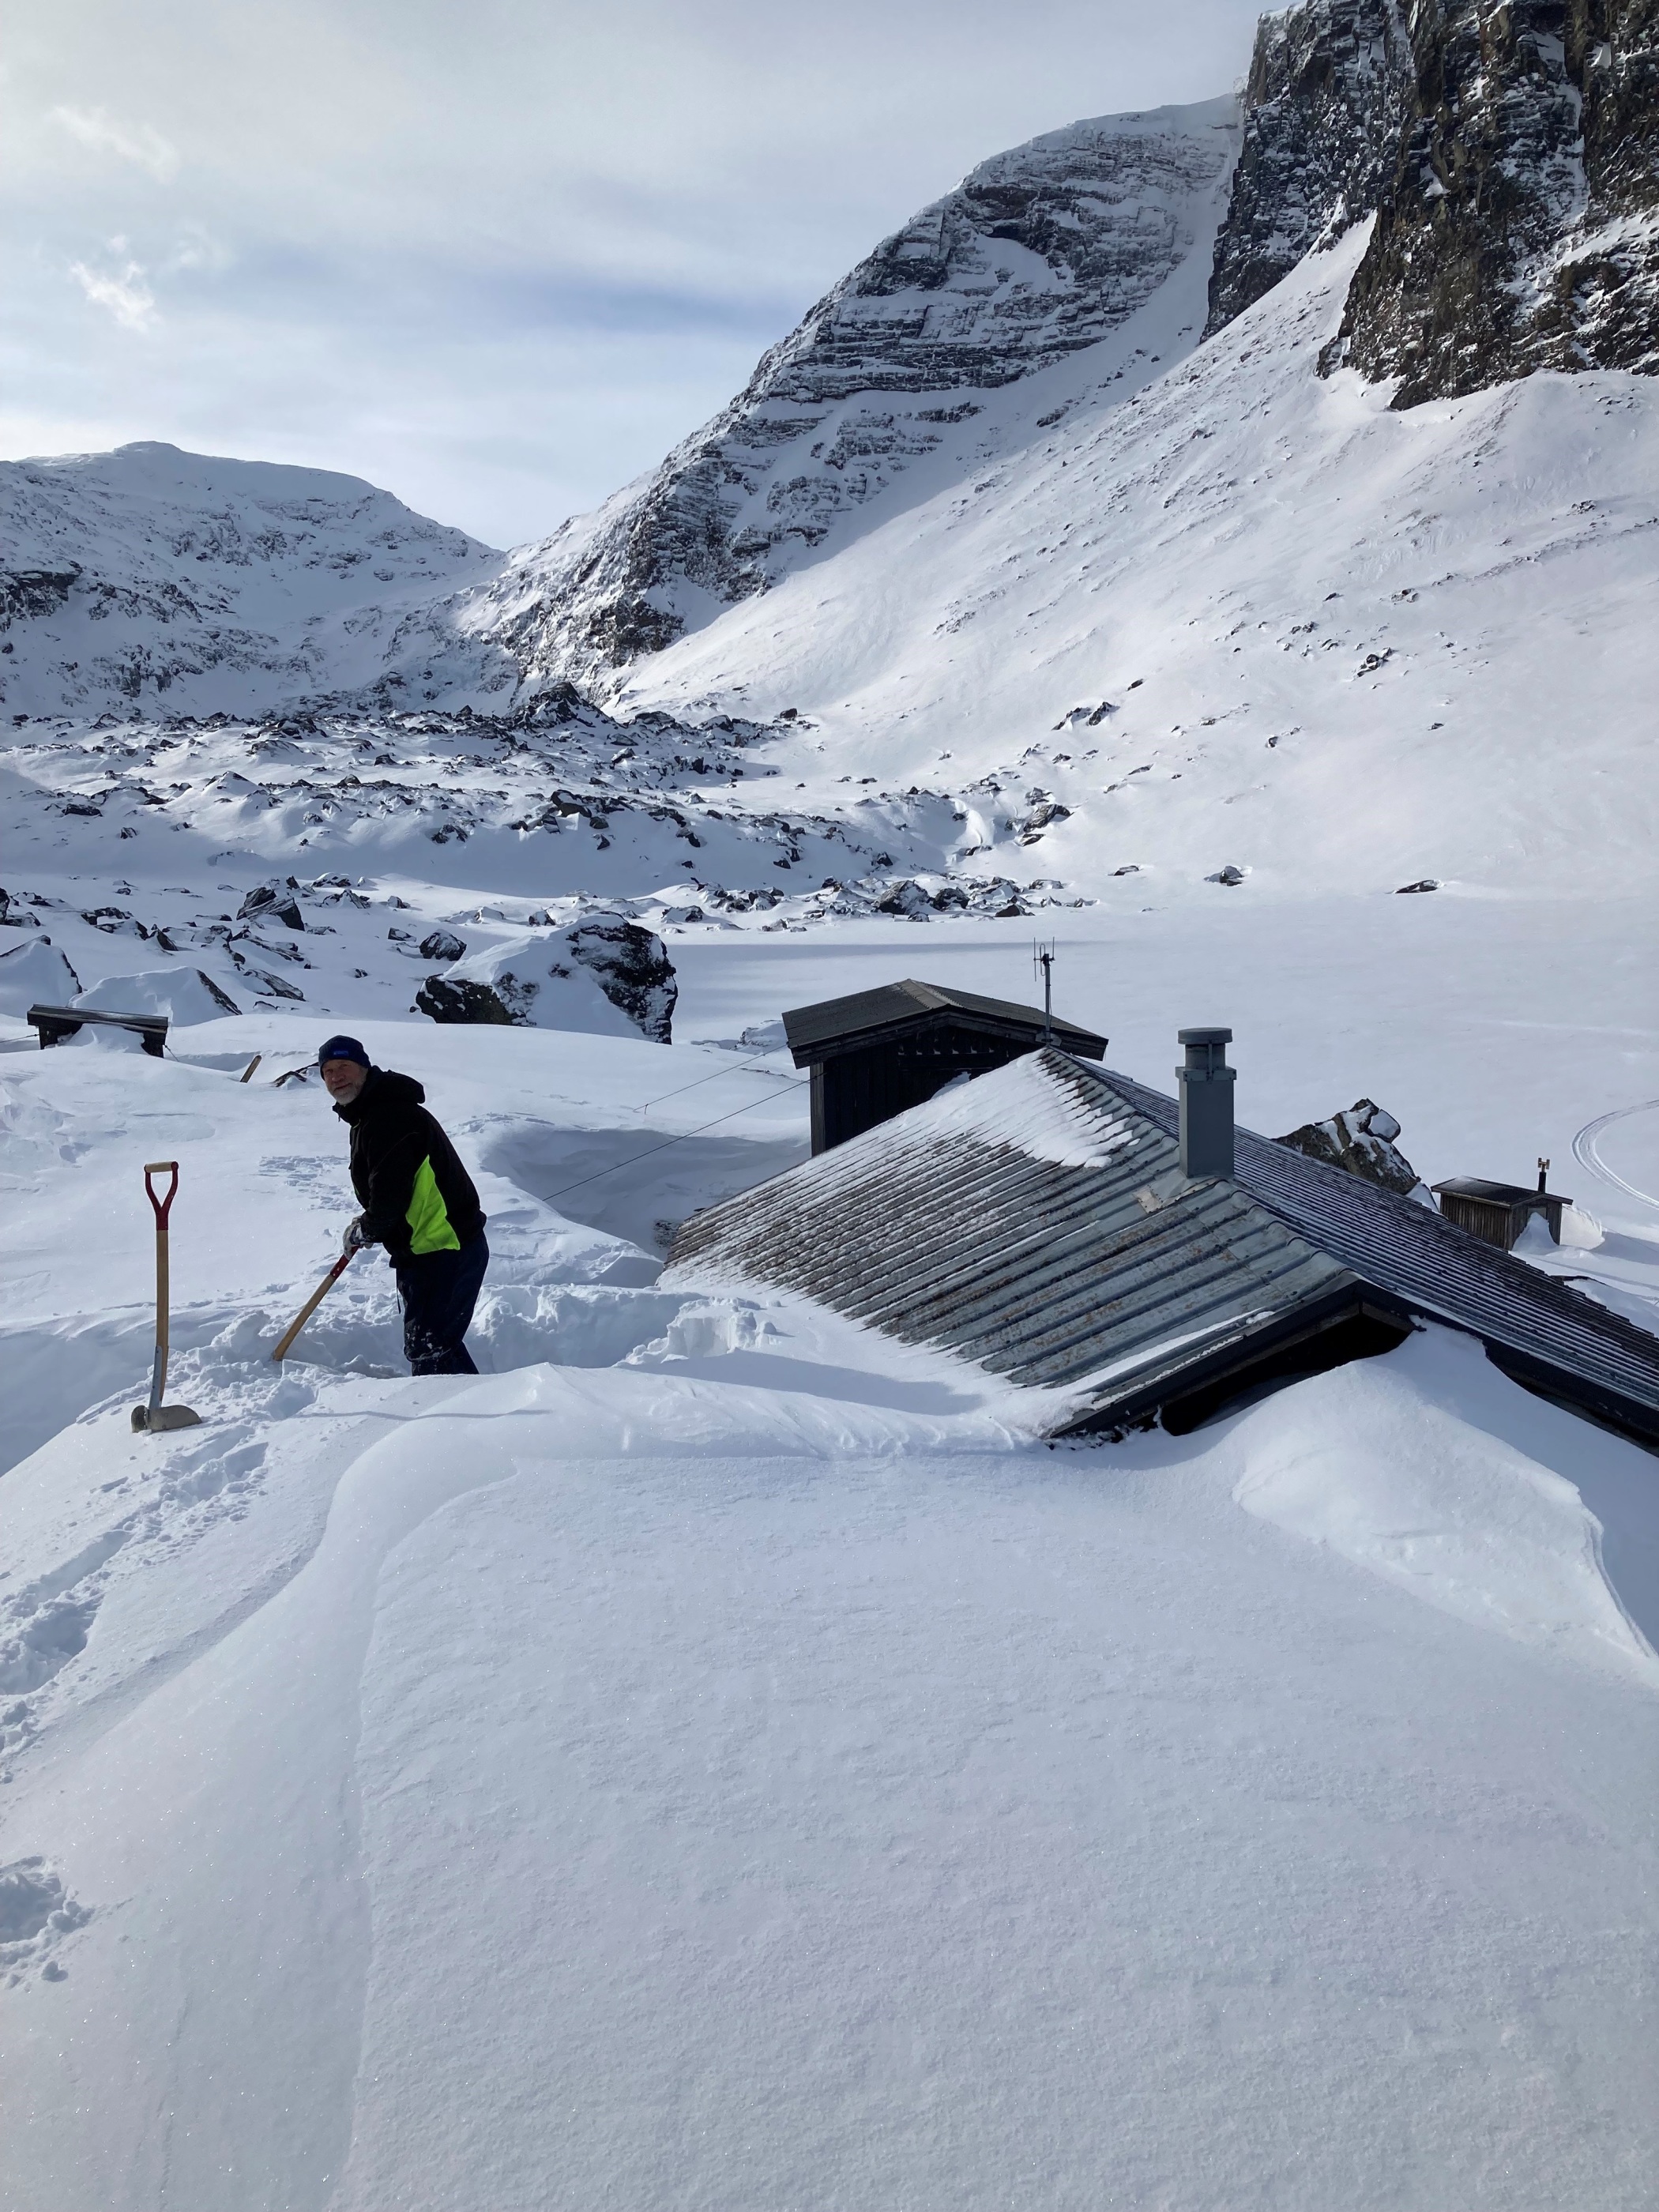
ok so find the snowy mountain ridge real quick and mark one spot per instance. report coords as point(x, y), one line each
point(1040, 252)
point(1513, 173)
point(169, 582)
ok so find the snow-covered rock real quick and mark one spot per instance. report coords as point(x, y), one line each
point(185, 995)
point(1361, 1138)
point(606, 974)
point(35, 974)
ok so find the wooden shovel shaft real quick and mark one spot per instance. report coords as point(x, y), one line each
point(161, 1207)
point(312, 1304)
point(158, 1382)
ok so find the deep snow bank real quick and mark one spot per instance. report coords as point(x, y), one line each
point(566, 1787)
point(585, 1149)
point(720, 1760)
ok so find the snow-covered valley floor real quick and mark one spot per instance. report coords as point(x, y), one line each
point(719, 1757)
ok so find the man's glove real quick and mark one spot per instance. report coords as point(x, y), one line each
point(355, 1238)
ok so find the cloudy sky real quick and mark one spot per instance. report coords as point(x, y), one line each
point(495, 256)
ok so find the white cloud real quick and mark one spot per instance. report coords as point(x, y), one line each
point(131, 142)
point(197, 251)
point(499, 260)
point(124, 294)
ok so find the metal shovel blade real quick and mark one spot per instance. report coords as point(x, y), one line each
point(155, 1418)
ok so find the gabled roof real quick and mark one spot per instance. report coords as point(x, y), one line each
point(1037, 1219)
point(862, 1016)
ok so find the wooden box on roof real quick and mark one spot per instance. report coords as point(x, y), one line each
point(1498, 1212)
point(878, 1053)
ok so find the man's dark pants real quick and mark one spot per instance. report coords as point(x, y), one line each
point(439, 1291)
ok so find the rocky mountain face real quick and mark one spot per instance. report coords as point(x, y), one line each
point(1041, 252)
point(1520, 229)
point(1510, 156)
point(1324, 105)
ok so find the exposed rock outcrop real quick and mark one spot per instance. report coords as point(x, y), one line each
point(1041, 251)
point(1362, 1140)
point(462, 999)
point(1521, 229)
point(1323, 108)
point(605, 974)
point(35, 972)
point(632, 968)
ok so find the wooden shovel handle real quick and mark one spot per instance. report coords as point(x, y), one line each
point(312, 1304)
point(163, 1207)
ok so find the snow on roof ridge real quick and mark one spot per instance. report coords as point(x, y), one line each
point(1027, 1106)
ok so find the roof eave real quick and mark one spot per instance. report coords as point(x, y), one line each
point(1082, 1044)
point(1134, 1398)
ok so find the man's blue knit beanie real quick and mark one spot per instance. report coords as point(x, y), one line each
point(344, 1048)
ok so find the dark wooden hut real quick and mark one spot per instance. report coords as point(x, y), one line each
point(1498, 1212)
point(878, 1053)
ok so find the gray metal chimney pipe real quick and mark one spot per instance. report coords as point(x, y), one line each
point(1205, 1091)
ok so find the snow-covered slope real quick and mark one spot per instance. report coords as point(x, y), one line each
point(167, 582)
point(1248, 615)
point(1044, 250)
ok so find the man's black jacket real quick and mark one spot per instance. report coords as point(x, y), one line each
point(415, 1195)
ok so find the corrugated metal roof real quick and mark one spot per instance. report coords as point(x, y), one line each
point(1428, 1264)
point(1041, 1227)
point(831, 1020)
point(1037, 1220)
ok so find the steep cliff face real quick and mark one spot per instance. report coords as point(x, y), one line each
point(1521, 229)
point(1041, 252)
point(1323, 108)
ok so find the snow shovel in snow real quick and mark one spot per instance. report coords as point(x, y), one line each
point(155, 1416)
point(312, 1302)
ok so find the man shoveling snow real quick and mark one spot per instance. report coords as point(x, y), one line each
point(419, 1202)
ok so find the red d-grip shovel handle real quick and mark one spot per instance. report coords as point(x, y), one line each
point(163, 1206)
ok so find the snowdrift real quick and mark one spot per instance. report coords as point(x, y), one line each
point(605, 974)
point(185, 995)
point(35, 972)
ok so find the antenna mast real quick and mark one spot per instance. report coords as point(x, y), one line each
point(1042, 962)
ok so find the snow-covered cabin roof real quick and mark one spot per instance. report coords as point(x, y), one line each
point(865, 1017)
point(1037, 1220)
